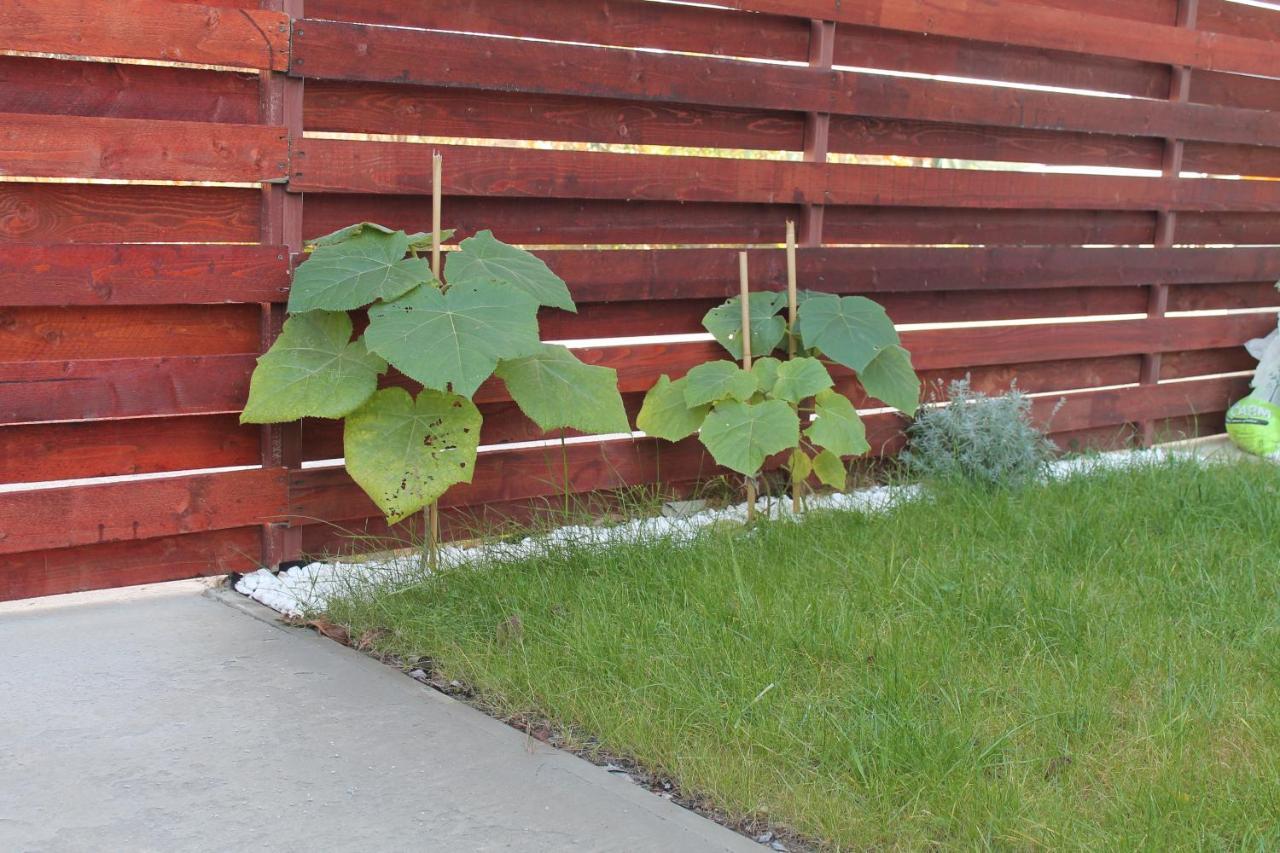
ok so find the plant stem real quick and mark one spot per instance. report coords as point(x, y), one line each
point(744, 284)
point(792, 300)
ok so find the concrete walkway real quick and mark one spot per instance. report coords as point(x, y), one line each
point(173, 720)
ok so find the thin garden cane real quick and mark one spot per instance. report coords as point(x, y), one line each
point(437, 171)
point(792, 304)
point(744, 285)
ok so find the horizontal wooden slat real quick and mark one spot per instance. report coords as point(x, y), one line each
point(1181, 365)
point(48, 334)
point(45, 452)
point(140, 149)
point(1229, 295)
point(62, 274)
point(71, 516)
point(148, 29)
point(345, 51)
point(991, 227)
point(31, 84)
point(1004, 22)
point(46, 391)
point(325, 165)
point(129, 562)
point(70, 213)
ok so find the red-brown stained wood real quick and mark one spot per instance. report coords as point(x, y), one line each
point(344, 51)
point(1125, 405)
point(45, 391)
point(148, 29)
point(1235, 90)
point(1181, 365)
point(1223, 16)
point(47, 334)
point(139, 509)
point(46, 452)
point(31, 84)
point(1238, 228)
point(140, 149)
point(63, 275)
point(70, 213)
point(1027, 25)
point(1232, 295)
point(129, 562)
point(942, 226)
point(628, 23)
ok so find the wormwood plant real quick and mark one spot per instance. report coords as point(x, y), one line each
point(746, 416)
point(406, 450)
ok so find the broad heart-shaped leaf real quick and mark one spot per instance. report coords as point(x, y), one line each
point(355, 272)
point(766, 373)
point(665, 414)
point(718, 380)
point(890, 377)
point(724, 322)
point(556, 390)
point(406, 453)
point(454, 340)
point(799, 378)
point(741, 436)
point(850, 330)
point(313, 369)
point(484, 259)
point(830, 469)
point(836, 426)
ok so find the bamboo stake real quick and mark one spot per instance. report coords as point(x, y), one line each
point(792, 299)
point(744, 283)
point(437, 170)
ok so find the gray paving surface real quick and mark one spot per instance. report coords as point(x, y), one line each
point(178, 722)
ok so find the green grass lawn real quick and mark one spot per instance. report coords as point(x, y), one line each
point(1089, 664)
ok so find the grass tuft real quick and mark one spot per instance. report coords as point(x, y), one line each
point(1092, 663)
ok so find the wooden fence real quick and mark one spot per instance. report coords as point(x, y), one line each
point(161, 163)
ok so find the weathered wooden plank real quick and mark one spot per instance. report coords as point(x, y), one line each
point(71, 516)
point(1004, 22)
point(345, 51)
point(1229, 228)
point(1224, 16)
point(148, 29)
point(100, 213)
point(128, 562)
point(46, 391)
point(49, 146)
point(975, 226)
point(30, 84)
point(1181, 365)
point(42, 274)
point(45, 452)
point(47, 334)
point(1226, 295)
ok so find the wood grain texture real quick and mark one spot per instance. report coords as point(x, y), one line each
point(49, 146)
point(97, 213)
point(84, 333)
point(42, 274)
point(30, 84)
point(141, 509)
point(148, 29)
point(129, 562)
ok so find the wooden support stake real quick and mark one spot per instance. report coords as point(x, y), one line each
point(744, 282)
point(792, 307)
point(437, 170)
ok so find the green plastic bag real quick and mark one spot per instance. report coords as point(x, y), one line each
point(1254, 425)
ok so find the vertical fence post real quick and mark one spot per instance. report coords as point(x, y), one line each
point(817, 127)
point(280, 104)
point(1166, 220)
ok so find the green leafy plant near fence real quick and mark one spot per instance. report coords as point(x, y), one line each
point(743, 417)
point(406, 450)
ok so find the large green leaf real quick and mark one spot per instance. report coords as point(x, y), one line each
point(766, 373)
point(741, 436)
point(357, 271)
point(718, 380)
point(890, 377)
point(454, 340)
point(313, 369)
point(724, 322)
point(485, 259)
point(665, 414)
point(406, 453)
point(556, 390)
point(850, 330)
point(799, 378)
point(830, 469)
point(836, 425)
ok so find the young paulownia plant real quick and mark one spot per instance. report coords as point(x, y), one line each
point(448, 336)
point(743, 417)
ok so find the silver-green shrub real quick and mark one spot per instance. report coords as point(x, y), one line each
point(976, 438)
